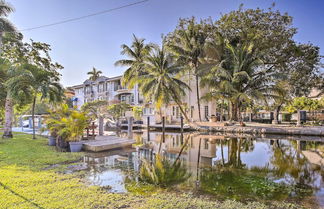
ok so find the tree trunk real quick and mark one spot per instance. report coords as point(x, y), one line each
point(181, 150)
point(198, 96)
point(101, 125)
point(234, 111)
point(276, 115)
point(33, 117)
point(298, 118)
point(1, 37)
point(182, 111)
point(8, 117)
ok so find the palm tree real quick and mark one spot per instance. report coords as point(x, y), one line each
point(136, 53)
point(5, 24)
point(5, 99)
point(94, 74)
point(31, 81)
point(187, 44)
point(159, 83)
point(239, 76)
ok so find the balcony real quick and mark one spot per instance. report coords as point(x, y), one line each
point(122, 89)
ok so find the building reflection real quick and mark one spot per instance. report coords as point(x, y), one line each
point(296, 162)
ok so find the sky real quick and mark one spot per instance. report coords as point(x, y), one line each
point(96, 41)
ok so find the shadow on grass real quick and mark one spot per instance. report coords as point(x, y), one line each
point(22, 197)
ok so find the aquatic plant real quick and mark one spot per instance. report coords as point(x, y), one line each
point(163, 173)
point(243, 185)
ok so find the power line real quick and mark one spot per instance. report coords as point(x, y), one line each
point(85, 16)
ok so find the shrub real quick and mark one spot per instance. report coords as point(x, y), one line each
point(286, 117)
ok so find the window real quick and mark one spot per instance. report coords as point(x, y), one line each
point(206, 144)
point(123, 98)
point(206, 112)
point(173, 110)
point(177, 112)
point(192, 111)
point(101, 87)
point(88, 89)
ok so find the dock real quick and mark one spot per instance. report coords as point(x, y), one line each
point(167, 127)
point(105, 143)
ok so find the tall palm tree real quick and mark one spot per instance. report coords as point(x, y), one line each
point(5, 24)
point(239, 76)
point(94, 74)
point(187, 43)
point(136, 54)
point(31, 81)
point(159, 83)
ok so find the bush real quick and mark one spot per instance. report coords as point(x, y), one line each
point(286, 117)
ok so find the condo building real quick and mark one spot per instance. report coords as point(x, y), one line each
point(110, 89)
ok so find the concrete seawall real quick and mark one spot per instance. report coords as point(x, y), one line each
point(292, 131)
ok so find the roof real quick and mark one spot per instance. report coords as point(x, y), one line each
point(100, 79)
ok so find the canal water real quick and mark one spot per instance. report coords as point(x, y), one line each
point(241, 167)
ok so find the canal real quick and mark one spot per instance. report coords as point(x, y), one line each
point(241, 167)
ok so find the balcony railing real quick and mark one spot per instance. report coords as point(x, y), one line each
point(120, 88)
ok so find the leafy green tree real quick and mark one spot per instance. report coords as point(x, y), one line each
point(136, 54)
point(281, 96)
point(187, 43)
point(20, 55)
point(160, 83)
point(94, 74)
point(29, 81)
point(273, 34)
point(138, 112)
point(118, 110)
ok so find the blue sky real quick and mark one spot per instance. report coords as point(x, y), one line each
point(96, 41)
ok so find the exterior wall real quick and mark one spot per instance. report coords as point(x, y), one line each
point(190, 103)
point(107, 89)
point(110, 89)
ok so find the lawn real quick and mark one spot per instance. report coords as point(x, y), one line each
point(24, 183)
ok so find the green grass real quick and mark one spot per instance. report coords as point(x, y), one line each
point(34, 154)
point(25, 184)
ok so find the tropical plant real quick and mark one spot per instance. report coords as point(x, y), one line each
point(118, 110)
point(273, 37)
point(29, 81)
point(5, 24)
point(95, 109)
point(160, 83)
point(55, 115)
point(22, 57)
point(136, 53)
point(68, 123)
point(138, 112)
point(187, 43)
point(94, 74)
point(162, 172)
point(239, 76)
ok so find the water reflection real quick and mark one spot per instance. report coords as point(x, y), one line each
point(236, 166)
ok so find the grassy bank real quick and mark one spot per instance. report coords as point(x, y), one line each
point(25, 184)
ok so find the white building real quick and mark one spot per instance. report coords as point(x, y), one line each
point(107, 89)
point(111, 90)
